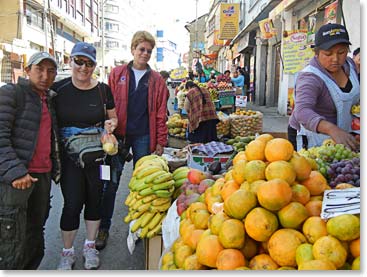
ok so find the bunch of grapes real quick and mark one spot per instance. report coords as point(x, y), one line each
point(344, 171)
point(335, 152)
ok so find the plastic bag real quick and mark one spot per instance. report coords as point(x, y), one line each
point(109, 144)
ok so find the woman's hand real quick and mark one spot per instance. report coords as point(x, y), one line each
point(159, 150)
point(110, 125)
point(342, 137)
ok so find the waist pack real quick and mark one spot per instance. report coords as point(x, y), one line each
point(85, 148)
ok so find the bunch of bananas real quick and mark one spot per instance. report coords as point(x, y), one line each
point(180, 176)
point(151, 189)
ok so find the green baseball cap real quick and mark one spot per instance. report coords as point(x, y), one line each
point(39, 57)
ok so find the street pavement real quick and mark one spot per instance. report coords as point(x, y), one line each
point(116, 255)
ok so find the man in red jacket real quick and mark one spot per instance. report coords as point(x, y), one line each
point(140, 95)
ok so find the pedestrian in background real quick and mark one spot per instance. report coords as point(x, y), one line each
point(202, 78)
point(201, 114)
point(238, 80)
point(224, 77)
point(81, 103)
point(140, 95)
point(326, 90)
point(29, 159)
point(357, 60)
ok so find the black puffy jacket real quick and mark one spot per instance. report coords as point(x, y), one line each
point(19, 128)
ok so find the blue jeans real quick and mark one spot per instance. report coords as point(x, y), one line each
point(140, 147)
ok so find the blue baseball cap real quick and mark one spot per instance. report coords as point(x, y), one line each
point(84, 49)
point(331, 34)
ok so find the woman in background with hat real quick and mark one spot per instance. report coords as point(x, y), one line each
point(326, 90)
point(81, 102)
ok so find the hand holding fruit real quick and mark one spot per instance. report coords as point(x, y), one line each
point(110, 125)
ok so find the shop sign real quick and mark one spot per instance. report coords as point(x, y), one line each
point(228, 20)
point(296, 51)
point(330, 12)
point(340, 201)
point(266, 28)
point(243, 42)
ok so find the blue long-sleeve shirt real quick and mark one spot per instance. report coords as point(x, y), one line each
point(238, 81)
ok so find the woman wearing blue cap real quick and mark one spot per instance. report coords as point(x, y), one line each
point(326, 90)
point(81, 103)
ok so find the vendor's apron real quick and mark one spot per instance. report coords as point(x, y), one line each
point(342, 101)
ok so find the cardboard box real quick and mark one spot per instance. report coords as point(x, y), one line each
point(153, 252)
point(202, 162)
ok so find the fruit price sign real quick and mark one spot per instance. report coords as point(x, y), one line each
point(340, 201)
point(241, 101)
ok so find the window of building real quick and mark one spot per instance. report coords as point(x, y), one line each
point(159, 54)
point(112, 44)
point(65, 6)
point(211, 26)
point(34, 17)
point(112, 27)
point(112, 8)
point(160, 34)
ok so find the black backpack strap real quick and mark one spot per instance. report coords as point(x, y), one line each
point(103, 95)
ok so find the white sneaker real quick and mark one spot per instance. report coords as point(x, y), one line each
point(67, 261)
point(91, 259)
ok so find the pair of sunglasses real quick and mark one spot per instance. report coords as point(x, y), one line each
point(81, 62)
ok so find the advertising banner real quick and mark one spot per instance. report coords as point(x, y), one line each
point(266, 28)
point(330, 12)
point(296, 52)
point(228, 21)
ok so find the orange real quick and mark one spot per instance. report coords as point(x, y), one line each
point(354, 248)
point(181, 254)
point(260, 224)
point(278, 149)
point(274, 194)
point(317, 265)
point(283, 244)
point(314, 207)
point(292, 215)
point(255, 150)
point(194, 238)
point(232, 234)
point(314, 228)
point(254, 170)
point(263, 262)
point(315, 183)
point(240, 203)
point(208, 249)
point(238, 171)
point(215, 222)
point(300, 194)
point(249, 249)
point(229, 187)
point(304, 253)
point(282, 170)
point(265, 137)
point(344, 227)
point(191, 263)
point(301, 166)
point(229, 259)
point(329, 248)
point(239, 156)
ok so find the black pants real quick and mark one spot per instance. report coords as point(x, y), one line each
point(292, 137)
point(23, 214)
point(206, 132)
point(80, 187)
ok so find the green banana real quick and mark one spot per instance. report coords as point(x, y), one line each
point(132, 180)
point(142, 185)
point(146, 191)
point(181, 174)
point(147, 171)
point(180, 169)
point(154, 231)
point(155, 220)
point(163, 178)
point(150, 178)
point(179, 182)
point(147, 216)
point(164, 185)
point(163, 193)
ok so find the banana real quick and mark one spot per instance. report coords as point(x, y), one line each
point(142, 185)
point(136, 224)
point(146, 191)
point(179, 171)
point(180, 175)
point(145, 158)
point(164, 185)
point(136, 214)
point(143, 207)
point(156, 229)
point(155, 220)
point(160, 208)
point(127, 218)
point(163, 193)
point(154, 175)
point(132, 180)
point(163, 178)
point(132, 202)
point(149, 198)
point(129, 198)
point(137, 183)
point(179, 182)
point(147, 171)
point(144, 231)
point(137, 204)
point(147, 216)
point(160, 201)
point(149, 163)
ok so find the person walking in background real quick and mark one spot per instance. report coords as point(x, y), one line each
point(238, 80)
point(201, 114)
point(140, 95)
point(224, 77)
point(202, 78)
point(29, 159)
point(357, 60)
point(326, 90)
point(81, 102)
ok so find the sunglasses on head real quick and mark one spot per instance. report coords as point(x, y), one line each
point(143, 49)
point(80, 62)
